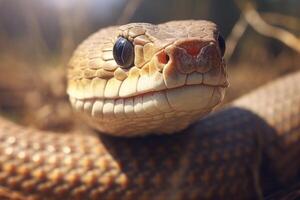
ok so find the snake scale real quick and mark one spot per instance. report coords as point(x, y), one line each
point(139, 79)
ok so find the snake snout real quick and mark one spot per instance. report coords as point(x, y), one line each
point(194, 56)
point(191, 47)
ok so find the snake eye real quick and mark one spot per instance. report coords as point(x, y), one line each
point(222, 44)
point(123, 52)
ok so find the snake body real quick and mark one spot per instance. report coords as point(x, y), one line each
point(245, 151)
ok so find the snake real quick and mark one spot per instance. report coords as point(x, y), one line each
point(148, 92)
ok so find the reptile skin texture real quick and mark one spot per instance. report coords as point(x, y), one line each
point(245, 151)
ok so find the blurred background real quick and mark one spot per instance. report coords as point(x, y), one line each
point(37, 37)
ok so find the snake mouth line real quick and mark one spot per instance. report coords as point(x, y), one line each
point(149, 109)
point(225, 85)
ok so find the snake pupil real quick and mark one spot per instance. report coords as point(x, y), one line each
point(222, 44)
point(123, 53)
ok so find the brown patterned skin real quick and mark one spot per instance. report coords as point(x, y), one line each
point(248, 148)
point(245, 151)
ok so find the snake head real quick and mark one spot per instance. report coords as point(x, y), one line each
point(141, 78)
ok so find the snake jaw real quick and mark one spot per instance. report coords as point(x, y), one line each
point(178, 76)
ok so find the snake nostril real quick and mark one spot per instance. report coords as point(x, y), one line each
point(163, 57)
point(167, 58)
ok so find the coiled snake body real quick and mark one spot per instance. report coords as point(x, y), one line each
point(139, 79)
